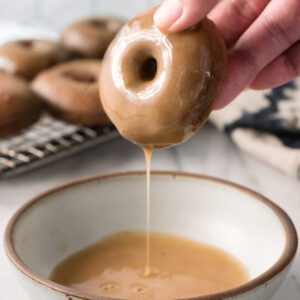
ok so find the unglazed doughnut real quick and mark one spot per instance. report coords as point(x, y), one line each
point(28, 57)
point(70, 91)
point(19, 107)
point(158, 87)
point(90, 38)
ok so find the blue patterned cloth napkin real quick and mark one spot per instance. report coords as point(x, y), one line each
point(266, 124)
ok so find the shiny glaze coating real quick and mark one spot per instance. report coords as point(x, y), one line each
point(70, 91)
point(19, 107)
point(158, 87)
point(28, 57)
point(90, 37)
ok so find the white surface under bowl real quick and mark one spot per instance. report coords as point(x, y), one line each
point(67, 219)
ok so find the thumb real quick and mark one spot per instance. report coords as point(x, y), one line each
point(176, 15)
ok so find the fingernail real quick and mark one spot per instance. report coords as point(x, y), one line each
point(168, 13)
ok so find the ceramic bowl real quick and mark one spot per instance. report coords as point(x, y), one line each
point(66, 219)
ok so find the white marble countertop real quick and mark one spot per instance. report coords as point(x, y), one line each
point(209, 152)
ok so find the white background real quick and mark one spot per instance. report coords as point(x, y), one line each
point(209, 152)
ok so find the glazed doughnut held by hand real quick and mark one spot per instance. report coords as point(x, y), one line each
point(158, 87)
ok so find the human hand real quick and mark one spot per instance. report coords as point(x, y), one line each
point(263, 38)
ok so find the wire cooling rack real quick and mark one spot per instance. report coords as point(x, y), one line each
point(47, 141)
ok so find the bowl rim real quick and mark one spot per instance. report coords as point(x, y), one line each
point(284, 260)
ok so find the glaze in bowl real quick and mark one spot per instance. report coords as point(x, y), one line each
point(67, 219)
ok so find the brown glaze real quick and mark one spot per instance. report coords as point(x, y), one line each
point(70, 91)
point(28, 57)
point(91, 37)
point(181, 268)
point(281, 265)
point(19, 107)
point(158, 87)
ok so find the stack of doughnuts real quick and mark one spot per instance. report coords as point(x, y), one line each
point(61, 77)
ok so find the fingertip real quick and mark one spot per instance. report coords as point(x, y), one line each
point(168, 13)
point(224, 96)
point(176, 15)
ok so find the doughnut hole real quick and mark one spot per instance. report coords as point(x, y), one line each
point(141, 68)
point(35, 45)
point(80, 77)
point(148, 69)
point(27, 44)
point(97, 23)
point(103, 25)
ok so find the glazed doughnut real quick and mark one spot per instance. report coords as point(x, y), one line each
point(70, 91)
point(19, 107)
point(90, 38)
point(28, 57)
point(158, 87)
